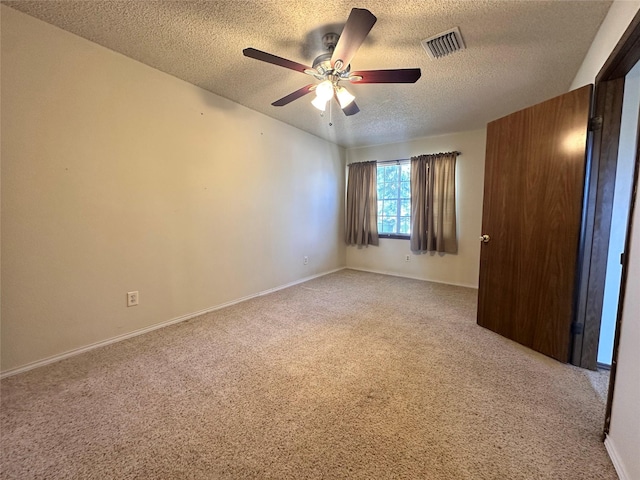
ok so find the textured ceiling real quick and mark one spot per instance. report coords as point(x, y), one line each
point(518, 53)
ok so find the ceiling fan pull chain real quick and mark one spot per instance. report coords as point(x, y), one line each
point(330, 113)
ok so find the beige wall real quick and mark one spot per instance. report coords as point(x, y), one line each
point(389, 256)
point(117, 177)
point(624, 437)
point(613, 26)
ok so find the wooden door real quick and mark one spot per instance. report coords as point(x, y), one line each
point(533, 192)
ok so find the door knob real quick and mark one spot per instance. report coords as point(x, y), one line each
point(485, 238)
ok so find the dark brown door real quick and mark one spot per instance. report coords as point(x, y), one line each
point(533, 191)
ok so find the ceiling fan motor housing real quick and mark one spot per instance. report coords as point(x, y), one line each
point(333, 65)
point(329, 41)
point(322, 63)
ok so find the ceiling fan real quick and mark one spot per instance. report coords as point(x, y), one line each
point(335, 66)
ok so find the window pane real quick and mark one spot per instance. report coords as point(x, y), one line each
point(390, 190)
point(405, 208)
point(382, 174)
point(394, 198)
point(405, 225)
point(391, 173)
point(388, 225)
point(390, 208)
point(405, 190)
point(405, 170)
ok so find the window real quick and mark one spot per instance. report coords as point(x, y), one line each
point(394, 198)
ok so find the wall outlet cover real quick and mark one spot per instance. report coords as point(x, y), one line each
point(132, 299)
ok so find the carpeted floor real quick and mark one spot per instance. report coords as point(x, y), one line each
point(352, 375)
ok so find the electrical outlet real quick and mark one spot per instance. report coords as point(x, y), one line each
point(407, 258)
point(305, 260)
point(132, 299)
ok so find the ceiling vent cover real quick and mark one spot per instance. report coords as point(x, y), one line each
point(444, 43)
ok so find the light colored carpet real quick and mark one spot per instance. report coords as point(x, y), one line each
point(352, 375)
point(600, 382)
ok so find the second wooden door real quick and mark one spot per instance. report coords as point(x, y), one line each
point(534, 179)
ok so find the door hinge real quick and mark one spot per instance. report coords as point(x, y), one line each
point(622, 259)
point(595, 123)
point(577, 328)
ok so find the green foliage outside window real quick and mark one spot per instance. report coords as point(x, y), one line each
point(394, 199)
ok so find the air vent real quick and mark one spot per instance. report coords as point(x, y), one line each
point(444, 43)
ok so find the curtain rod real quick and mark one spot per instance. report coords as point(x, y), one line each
point(396, 162)
point(402, 160)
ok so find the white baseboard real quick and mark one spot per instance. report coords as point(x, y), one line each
point(396, 274)
point(615, 459)
point(141, 331)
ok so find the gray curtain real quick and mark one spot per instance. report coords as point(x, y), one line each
point(433, 203)
point(362, 205)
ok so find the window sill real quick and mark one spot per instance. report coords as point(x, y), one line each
point(398, 237)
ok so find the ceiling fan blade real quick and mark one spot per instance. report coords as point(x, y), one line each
point(401, 75)
point(273, 59)
point(351, 109)
point(356, 29)
point(294, 96)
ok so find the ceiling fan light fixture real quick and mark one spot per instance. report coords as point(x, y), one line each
point(319, 103)
point(344, 97)
point(334, 66)
point(324, 90)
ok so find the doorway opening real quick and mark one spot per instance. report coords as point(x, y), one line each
point(620, 214)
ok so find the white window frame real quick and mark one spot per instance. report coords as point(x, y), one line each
point(398, 216)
